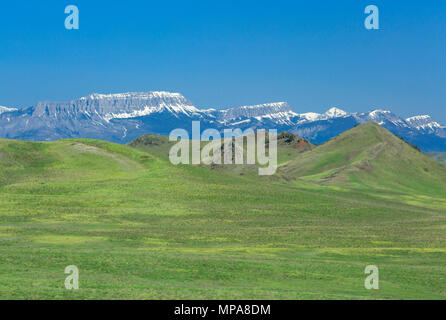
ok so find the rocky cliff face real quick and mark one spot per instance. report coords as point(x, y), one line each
point(118, 106)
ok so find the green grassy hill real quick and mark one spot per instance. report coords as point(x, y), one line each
point(289, 146)
point(370, 157)
point(138, 227)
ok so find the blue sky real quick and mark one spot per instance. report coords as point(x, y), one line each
point(312, 54)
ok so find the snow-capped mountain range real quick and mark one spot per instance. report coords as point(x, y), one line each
point(126, 116)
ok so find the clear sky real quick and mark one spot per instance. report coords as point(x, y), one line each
point(312, 54)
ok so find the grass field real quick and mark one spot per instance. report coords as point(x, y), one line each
point(138, 227)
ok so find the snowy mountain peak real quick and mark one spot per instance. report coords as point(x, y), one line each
point(423, 122)
point(379, 112)
point(310, 116)
point(6, 109)
point(335, 112)
point(419, 118)
point(275, 109)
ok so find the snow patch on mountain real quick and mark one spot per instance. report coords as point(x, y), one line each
point(147, 110)
point(280, 111)
point(6, 109)
point(423, 122)
point(379, 113)
point(335, 112)
point(382, 117)
point(310, 116)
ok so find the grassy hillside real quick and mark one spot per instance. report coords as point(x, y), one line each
point(140, 228)
point(370, 157)
point(289, 146)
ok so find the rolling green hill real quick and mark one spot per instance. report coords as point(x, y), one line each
point(138, 227)
point(289, 146)
point(370, 157)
